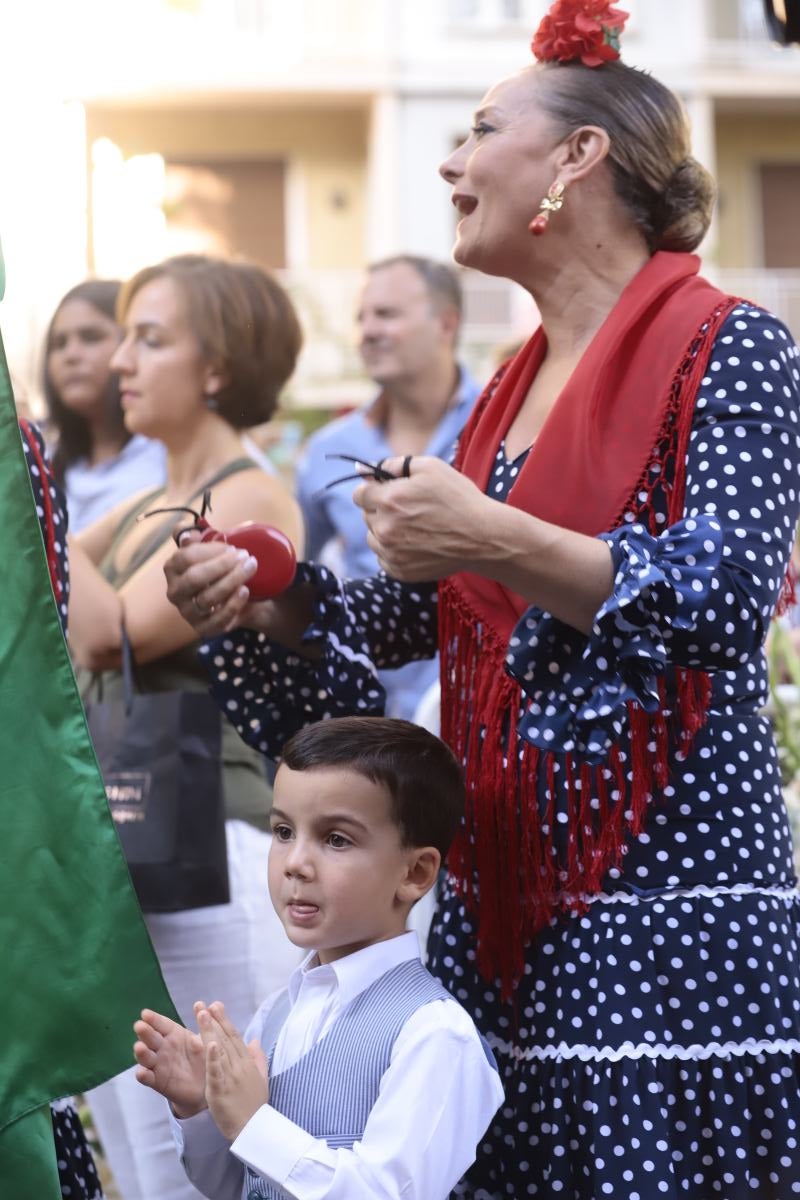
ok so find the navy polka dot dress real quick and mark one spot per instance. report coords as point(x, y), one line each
point(653, 1046)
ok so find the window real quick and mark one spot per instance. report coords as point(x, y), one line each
point(780, 189)
point(227, 207)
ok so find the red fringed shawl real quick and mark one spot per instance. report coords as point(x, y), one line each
point(627, 407)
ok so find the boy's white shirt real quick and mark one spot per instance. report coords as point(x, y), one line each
point(435, 1103)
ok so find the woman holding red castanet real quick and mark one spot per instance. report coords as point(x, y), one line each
point(620, 915)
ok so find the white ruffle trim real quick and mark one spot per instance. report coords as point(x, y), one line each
point(700, 889)
point(628, 1050)
point(351, 655)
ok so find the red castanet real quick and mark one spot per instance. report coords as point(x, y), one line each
point(271, 549)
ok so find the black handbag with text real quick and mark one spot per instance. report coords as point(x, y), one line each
point(160, 757)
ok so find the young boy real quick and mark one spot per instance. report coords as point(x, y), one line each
point(364, 1078)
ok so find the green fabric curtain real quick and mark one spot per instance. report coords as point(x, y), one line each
point(77, 963)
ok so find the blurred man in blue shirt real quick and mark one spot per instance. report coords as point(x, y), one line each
point(408, 319)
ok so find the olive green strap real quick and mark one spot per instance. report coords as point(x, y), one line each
point(124, 525)
point(165, 529)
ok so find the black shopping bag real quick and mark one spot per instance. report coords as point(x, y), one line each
point(160, 757)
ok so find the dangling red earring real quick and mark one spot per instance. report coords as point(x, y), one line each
point(551, 203)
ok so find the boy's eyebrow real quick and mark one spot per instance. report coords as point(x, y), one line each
point(327, 818)
point(344, 819)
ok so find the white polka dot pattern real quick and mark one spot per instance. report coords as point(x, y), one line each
point(654, 1046)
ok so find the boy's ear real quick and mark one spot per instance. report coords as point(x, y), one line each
point(421, 873)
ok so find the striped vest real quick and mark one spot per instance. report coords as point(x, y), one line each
point(331, 1091)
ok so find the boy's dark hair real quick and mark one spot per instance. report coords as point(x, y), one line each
point(417, 769)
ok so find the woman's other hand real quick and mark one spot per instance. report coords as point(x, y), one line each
point(428, 526)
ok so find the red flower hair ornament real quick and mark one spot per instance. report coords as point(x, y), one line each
point(579, 29)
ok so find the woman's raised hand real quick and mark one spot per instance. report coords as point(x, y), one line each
point(426, 526)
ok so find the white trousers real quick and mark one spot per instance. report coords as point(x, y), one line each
point(237, 953)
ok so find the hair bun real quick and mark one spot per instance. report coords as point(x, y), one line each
point(684, 213)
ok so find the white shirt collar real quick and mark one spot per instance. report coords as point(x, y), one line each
point(355, 972)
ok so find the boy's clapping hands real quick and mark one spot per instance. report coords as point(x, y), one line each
point(236, 1074)
point(213, 1069)
point(171, 1061)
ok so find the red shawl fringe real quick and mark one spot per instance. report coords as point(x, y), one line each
point(506, 861)
point(788, 597)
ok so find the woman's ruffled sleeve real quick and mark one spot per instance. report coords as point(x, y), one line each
point(578, 686)
point(701, 594)
point(360, 626)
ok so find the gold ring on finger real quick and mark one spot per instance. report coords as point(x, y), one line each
point(204, 612)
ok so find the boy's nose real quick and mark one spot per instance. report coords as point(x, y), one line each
point(298, 862)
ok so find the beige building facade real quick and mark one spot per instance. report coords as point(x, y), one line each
point(307, 134)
